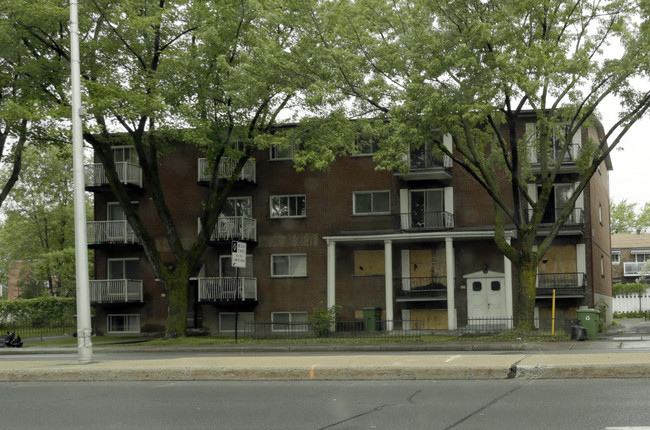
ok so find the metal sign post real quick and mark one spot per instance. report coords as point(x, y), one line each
point(238, 259)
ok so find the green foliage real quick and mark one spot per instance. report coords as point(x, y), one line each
point(322, 317)
point(621, 289)
point(638, 314)
point(628, 218)
point(40, 308)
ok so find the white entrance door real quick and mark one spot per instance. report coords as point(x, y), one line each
point(486, 297)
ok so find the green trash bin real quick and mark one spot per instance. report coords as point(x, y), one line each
point(588, 318)
point(371, 318)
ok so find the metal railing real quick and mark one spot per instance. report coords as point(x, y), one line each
point(491, 326)
point(116, 291)
point(425, 221)
point(632, 269)
point(227, 170)
point(127, 173)
point(419, 287)
point(577, 216)
point(418, 161)
point(572, 154)
point(28, 327)
point(342, 329)
point(234, 228)
point(227, 289)
point(561, 282)
point(110, 232)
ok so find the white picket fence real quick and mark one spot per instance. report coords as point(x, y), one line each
point(632, 302)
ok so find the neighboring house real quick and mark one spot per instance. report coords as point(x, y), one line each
point(418, 246)
point(629, 254)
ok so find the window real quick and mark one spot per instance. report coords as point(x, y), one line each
point(428, 209)
point(642, 257)
point(244, 322)
point(227, 271)
point(600, 213)
point(602, 266)
point(367, 145)
point(289, 265)
point(367, 263)
point(122, 154)
point(426, 155)
point(237, 206)
point(126, 268)
point(616, 257)
point(371, 202)
point(125, 323)
point(289, 321)
point(284, 152)
point(290, 206)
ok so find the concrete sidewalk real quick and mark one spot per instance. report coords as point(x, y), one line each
point(534, 360)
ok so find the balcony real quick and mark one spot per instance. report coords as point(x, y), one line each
point(110, 233)
point(226, 170)
point(576, 218)
point(426, 221)
point(568, 161)
point(228, 290)
point(565, 285)
point(633, 269)
point(116, 291)
point(234, 228)
point(128, 174)
point(420, 289)
point(428, 167)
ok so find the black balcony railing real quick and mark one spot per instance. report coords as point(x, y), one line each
point(434, 287)
point(577, 216)
point(419, 161)
point(563, 283)
point(426, 221)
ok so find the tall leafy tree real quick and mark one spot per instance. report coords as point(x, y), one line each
point(473, 69)
point(625, 218)
point(216, 74)
point(38, 223)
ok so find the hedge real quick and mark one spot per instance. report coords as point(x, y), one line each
point(621, 289)
point(40, 308)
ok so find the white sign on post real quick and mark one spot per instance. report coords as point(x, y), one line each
point(239, 254)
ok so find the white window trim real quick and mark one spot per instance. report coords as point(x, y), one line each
point(354, 203)
point(288, 196)
point(137, 324)
point(303, 328)
point(617, 253)
point(249, 264)
point(273, 275)
point(291, 147)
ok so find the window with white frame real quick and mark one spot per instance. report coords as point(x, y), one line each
point(289, 321)
point(284, 152)
point(237, 206)
point(244, 322)
point(600, 213)
point(367, 146)
point(122, 154)
point(123, 323)
point(602, 266)
point(288, 265)
point(288, 206)
point(371, 202)
point(616, 257)
point(642, 257)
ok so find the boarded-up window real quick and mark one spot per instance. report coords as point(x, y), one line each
point(369, 262)
point(559, 259)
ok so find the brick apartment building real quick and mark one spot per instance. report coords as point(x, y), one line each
point(629, 254)
point(418, 246)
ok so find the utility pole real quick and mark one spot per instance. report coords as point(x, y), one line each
point(84, 330)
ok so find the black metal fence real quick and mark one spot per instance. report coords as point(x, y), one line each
point(39, 328)
point(336, 329)
point(397, 329)
point(491, 326)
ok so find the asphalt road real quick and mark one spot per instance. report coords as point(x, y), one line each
point(458, 405)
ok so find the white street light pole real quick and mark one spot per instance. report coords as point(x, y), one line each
point(84, 331)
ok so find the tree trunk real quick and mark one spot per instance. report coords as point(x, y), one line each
point(526, 306)
point(177, 296)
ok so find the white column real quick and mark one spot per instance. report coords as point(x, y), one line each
point(451, 270)
point(388, 270)
point(331, 274)
point(507, 270)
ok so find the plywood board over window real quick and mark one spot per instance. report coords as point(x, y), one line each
point(559, 259)
point(368, 263)
point(427, 263)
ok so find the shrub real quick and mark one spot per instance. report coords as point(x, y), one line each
point(621, 289)
point(41, 308)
